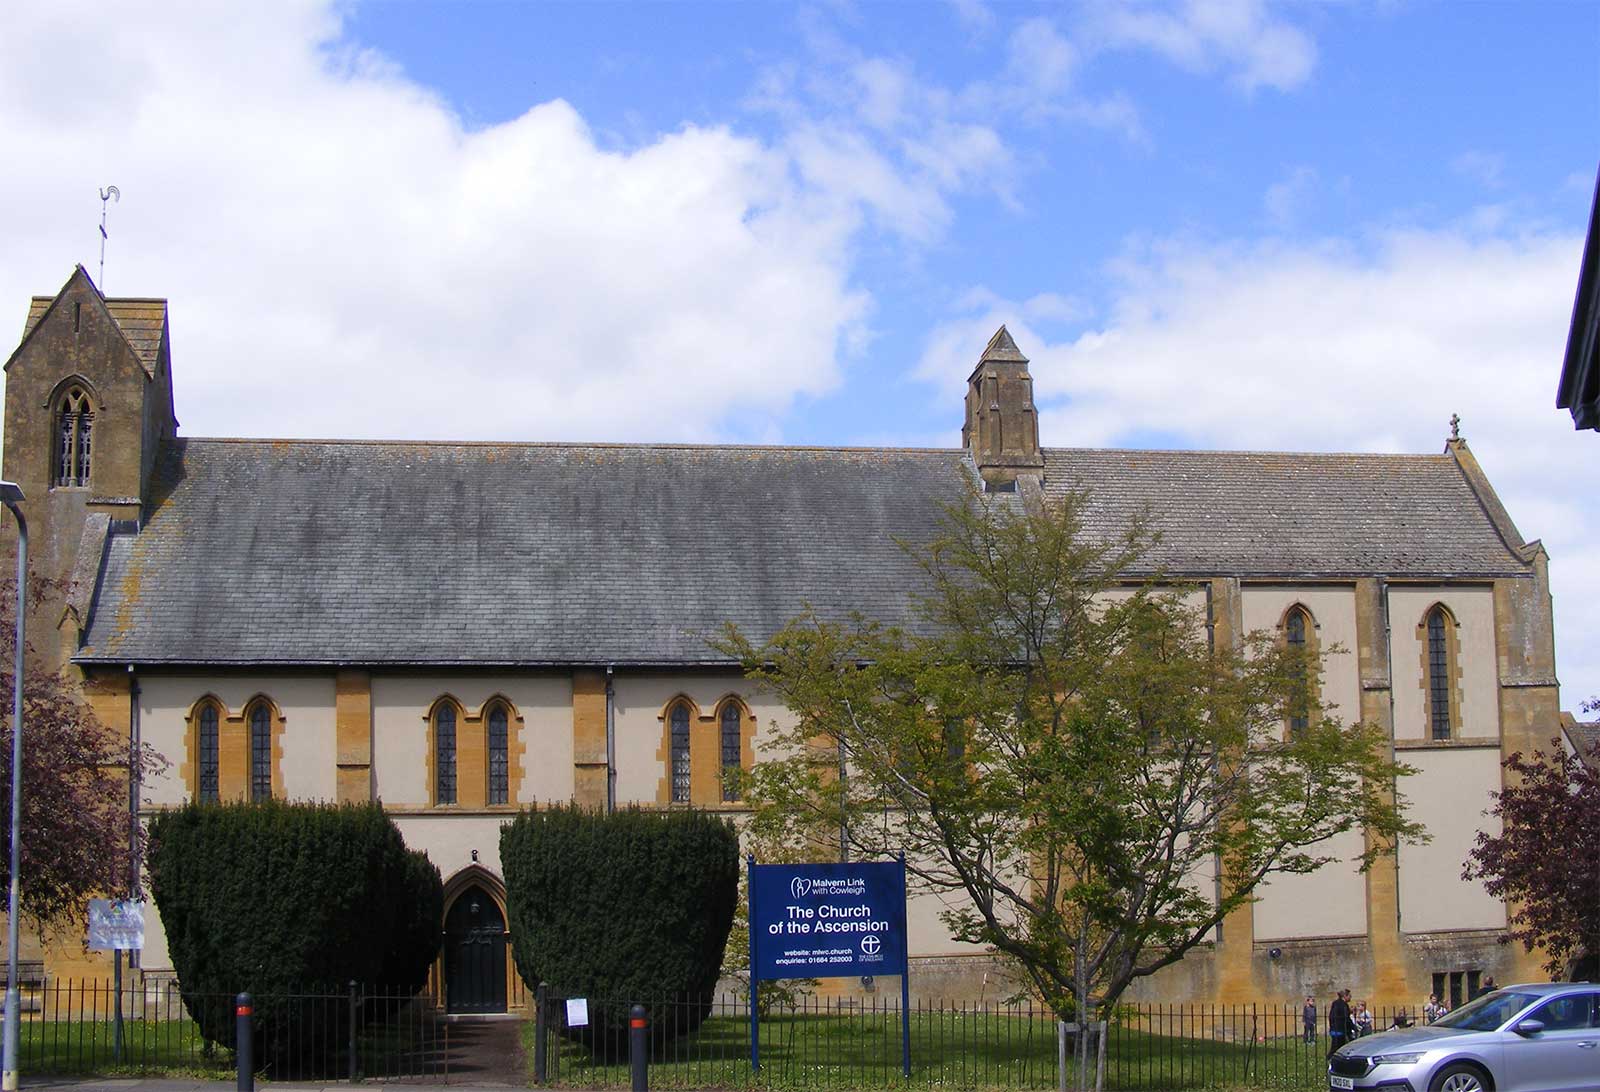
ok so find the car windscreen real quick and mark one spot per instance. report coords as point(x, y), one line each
point(1488, 1012)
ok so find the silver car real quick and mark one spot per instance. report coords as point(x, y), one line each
point(1539, 1038)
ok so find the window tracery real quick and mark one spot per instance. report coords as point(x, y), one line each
point(74, 438)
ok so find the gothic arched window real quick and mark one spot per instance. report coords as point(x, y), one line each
point(1296, 624)
point(678, 721)
point(732, 748)
point(499, 756)
point(74, 425)
point(1439, 711)
point(260, 752)
point(206, 755)
point(444, 754)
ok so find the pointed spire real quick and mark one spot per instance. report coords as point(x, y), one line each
point(1001, 349)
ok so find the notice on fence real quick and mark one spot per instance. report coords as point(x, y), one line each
point(115, 924)
point(577, 1012)
point(828, 920)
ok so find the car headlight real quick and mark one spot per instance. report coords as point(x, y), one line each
point(1398, 1059)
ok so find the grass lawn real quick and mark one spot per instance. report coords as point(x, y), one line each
point(957, 1050)
point(171, 1047)
point(399, 1047)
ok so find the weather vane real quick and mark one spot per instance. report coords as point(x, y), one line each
point(106, 195)
point(1455, 426)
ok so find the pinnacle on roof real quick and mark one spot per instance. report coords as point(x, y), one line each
point(1002, 348)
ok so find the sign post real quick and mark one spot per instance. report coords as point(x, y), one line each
point(829, 921)
point(116, 925)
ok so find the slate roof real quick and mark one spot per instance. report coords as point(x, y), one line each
point(142, 322)
point(316, 552)
point(1584, 736)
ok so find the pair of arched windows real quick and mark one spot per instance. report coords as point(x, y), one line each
point(490, 752)
point(730, 720)
point(260, 720)
point(74, 436)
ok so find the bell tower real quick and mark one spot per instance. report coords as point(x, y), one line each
point(1002, 427)
point(88, 407)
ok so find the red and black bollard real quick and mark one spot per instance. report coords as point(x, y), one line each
point(639, 1047)
point(243, 1048)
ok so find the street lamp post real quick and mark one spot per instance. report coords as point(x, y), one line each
point(10, 494)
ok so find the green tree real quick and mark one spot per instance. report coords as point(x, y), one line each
point(1057, 742)
point(285, 900)
point(1546, 859)
point(628, 908)
point(79, 837)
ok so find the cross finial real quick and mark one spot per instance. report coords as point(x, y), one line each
point(1455, 426)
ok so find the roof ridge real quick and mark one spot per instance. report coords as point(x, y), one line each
point(1250, 451)
point(604, 444)
point(1409, 456)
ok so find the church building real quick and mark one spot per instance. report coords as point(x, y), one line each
point(460, 630)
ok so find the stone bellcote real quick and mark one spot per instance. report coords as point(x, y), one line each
point(1002, 427)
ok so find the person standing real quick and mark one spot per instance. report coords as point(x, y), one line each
point(1362, 1020)
point(1308, 1017)
point(1339, 1022)
point(1434, 1009)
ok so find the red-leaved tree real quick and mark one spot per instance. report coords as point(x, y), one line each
point(79, 838)
point(1546, 860)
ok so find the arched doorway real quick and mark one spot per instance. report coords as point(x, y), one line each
point(475, 953)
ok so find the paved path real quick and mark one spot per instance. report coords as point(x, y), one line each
point(487, 1053)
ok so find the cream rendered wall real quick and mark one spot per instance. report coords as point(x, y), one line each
point(1473, 608)
point(640, 703)
point(400, 705)
point(449, 840)
point(1447, 796)
point(1333, 612)
point(1330, 902)
point(306, 703)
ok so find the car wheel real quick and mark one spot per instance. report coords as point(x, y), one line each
point(1460, 1077)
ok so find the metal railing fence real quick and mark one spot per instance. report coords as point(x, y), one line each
point(70, 1027)
point(832, 1044)
point(83, 1026)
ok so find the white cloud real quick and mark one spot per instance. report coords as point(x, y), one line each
point(1328, 347)
point(1238, 37)
point(334, 239)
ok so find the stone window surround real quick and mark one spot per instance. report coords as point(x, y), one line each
point(1452, 659)
point(472, 754)
point(1313, 644)
point(705, 750)
point(60, 396)
point(233, 747)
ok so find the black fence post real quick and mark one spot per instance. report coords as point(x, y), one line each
point(243, 1050)
point(639, 1047)
point(541, 1029)
point(355, 1010)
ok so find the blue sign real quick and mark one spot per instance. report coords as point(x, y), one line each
point(827, 920)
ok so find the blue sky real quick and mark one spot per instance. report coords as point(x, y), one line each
point(1210, 224)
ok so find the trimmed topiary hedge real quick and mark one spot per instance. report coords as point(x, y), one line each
point(282, 899)
point(632, 907)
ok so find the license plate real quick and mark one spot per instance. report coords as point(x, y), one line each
point(1340, 1082)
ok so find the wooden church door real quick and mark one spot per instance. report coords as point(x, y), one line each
point(475, 954)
